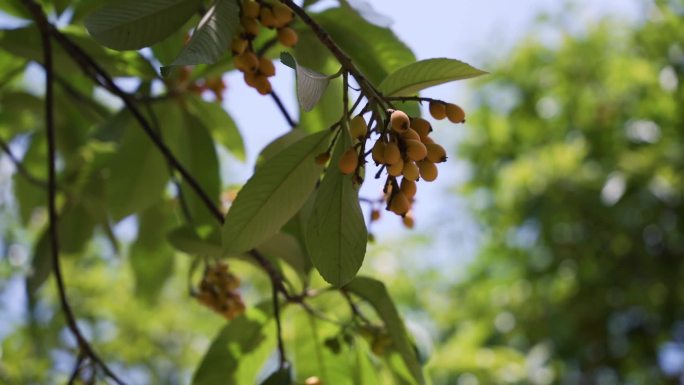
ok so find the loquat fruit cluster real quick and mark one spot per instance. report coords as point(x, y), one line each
point(254, 15)
point(218, 291)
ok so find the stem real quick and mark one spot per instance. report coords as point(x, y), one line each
point(279, 329)
point(283, 110)
point(52, 209)
point(20, 166)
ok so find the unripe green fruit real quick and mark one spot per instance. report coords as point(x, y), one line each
point(428, 170)
point(438, 110)
point(358, 127)
point(266, 67)
point(399, 204)
point(410, 170)
point(410, 134)
point(421, 126)
point(348, 161)
point(392, 153)
point(455, 113)
point(396, 168)
point(436, 153)
point(400, 121)
point(378, 152)
point(408, 187)
point(287, 37)
point(415, 150)
point(251, 9)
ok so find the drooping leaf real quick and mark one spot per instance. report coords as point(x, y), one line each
point(150, 255)
point(408, 80)
point(284, 247)
point(279, 144)
point(238, 351)
point(310, 84)
point(212, 36)
point(375, 50)
point(220, 124)
point(138, 173)
point(275, 192)
point(132, 24)
point(375, 293)
point(187, 240)
point(336, 233)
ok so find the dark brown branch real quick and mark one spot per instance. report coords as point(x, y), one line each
point(282, 109)
point(419, 99)
point(83, 344)
point(20, 167)
point(282, 360)
point(366, 87)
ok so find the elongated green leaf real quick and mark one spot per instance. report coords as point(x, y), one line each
point(375, 293)
point(276, 191)
point(279, 144)
point(310, 84)
point(375, 50)
point(133, 24)
point(41, 266)
point(238, 351)
point(187, 240)
point(138, 173)
point(220, 124)
point(212, 37)
point(151, 257)
point(408, 80)
point(336, 233)
point(286, 248)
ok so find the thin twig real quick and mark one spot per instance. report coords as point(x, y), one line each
point(419, 99)
point(20, 166)
point(83, 344)
point(282, 360)
point(282, 109)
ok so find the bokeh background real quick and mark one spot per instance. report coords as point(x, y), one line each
point(550, 251)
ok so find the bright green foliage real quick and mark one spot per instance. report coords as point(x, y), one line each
point(148, 230)
point(417, 76)
point(129, 24)
point(274, 194)
point(578, 159)
point(336, 234)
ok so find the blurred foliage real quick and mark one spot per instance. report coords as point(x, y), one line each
point(577, 156)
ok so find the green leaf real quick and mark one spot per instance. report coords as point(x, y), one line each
point(133, 24)
point(138, 173)
point(408, 80)
point(187, 240)
point(151, 257)
point(212, 37)
point(286, 248)
point(375, 293)
point(275, 192)
point(281, 376)
point(310, 84)
point(375, 50)
point(279, 144)
point(238, 351)
point(336, 233)
point(219, 123)
point(41, 265)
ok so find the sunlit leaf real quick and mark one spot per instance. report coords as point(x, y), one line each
point(336, 233)
point(275, 192)
point(408, 80)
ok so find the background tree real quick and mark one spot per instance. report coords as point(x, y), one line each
point(576, 156)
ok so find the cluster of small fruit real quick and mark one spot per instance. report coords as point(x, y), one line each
point(215, 85)
point(255, 14)
point(218, 291)
point(405, 150)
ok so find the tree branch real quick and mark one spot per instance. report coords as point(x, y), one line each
point(282, 109)
point(20, 166)
point(83, 344)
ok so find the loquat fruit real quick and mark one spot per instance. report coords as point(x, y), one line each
point(378, 152)
point(399, 204)
point(455, 113)
point(400, 121)
point(410, 170)
point(358, 127)
point(392, 153)
point(435, 153)
point(438, 110)
point(415, 150)
point(348, 161)
point(408, 187)
point(287, 37)
point(428, 170)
